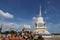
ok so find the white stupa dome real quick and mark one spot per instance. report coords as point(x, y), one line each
point(40, 20)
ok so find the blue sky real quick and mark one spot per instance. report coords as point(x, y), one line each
point(23, 11)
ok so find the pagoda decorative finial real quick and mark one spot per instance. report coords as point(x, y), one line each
point(40, 14)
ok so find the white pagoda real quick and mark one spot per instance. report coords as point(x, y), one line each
point(40, 25)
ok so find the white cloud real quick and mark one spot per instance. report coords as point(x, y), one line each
point(6, 14)
point(34, 18)
point(53, 27)
point(45, 11)
point(48, 2)
point(7, 26)
point(46, 18)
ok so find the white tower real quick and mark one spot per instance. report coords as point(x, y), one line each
point(40, 25)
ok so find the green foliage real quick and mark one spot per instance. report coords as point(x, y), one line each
point(9, 32)
point(55, 33)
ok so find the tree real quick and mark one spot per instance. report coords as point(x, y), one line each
point(6, 32)
point(13, 32)
point(0, 29)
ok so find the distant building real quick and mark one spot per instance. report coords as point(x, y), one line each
point(40, 25)
point(26, 28)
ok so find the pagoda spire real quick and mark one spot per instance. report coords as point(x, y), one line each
point(40, 14)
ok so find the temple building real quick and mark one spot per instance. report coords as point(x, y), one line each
point(26, 28)
point(40, 25)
